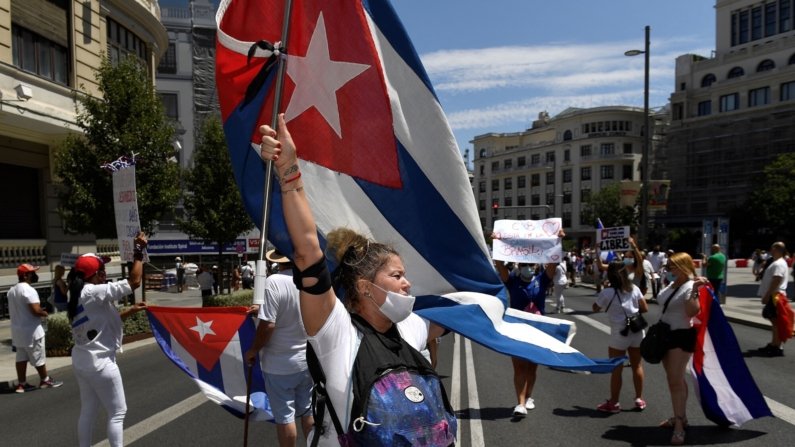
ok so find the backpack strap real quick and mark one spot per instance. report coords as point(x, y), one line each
point(320, 398)
point(613, 299)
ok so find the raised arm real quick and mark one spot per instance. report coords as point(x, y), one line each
point(501, 269)
point(281, 149)
point(638, 260)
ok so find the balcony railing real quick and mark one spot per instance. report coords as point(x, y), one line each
point(525, 168)
point(108, 247)
point(14, 252)
point(605, 157)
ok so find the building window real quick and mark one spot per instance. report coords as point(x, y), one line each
point(627, 148)
point(535, 180)
point(783, 16)
point(585, 173)
point(495, 185)
point(585, 151)
point(550, 178)
point(626, 172)
point(734, 30)
point(736, 72)
point(508, 183)
point(168, 64)
point(567, 176)
point(683, 86)
point(482, 153)
point(508, 163)
point(170, 105)
point(730, 102)
point(756, 23)
point(704, 108)
point(482, 187)
point(586, 128)
point(521, 181)
point(509, 201)
point(34, 53)
point(788, 91)
point(521, 161)
point(482, 169)
point(495, 166)
point(550, 157)
point(584, 194)
point(708, 80)
point(765, 65)
point(791, 60)
point(743, 27)
point(520, 215)
point(535, 200)
point(608, 149)
point(759, 97)
point(482, 204)
point(566, 218)
point(567, 135)
point(535, 159)
point(770, 19)
point(521, 200)
point(566, 196)
point(607, 172)
point(123, 42)
point(550, 198)
point(567, 155)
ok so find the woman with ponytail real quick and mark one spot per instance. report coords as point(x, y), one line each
point(97, 332)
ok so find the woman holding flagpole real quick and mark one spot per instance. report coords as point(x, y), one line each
point(382, 328)
point(97, 332)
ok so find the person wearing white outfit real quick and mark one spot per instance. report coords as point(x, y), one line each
point(97, 332)
point(560, 281)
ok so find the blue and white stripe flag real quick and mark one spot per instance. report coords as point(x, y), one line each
point(377, 156)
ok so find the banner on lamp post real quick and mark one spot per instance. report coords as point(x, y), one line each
point(125, 204)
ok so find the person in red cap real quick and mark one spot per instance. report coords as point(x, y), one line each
point(27, 334)
point(97, 332)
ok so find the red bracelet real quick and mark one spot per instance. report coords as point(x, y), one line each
point(293, 179)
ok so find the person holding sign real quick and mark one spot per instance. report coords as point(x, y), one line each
point(634, 262)
point(527, 293)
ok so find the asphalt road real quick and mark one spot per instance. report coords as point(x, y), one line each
point(565, 411)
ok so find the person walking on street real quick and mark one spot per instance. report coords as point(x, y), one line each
point(97, 333)
point(60, 289)
point(635, 271)
point(281, 342)
point(773, 291)
point(206, 282)
point(215, 280)
point(27, 334)
point(236, 278)
point(621, 299)
point(715, 264)
point(560, 283)
point(248, 276)
point(657, 260)
point(180, 274)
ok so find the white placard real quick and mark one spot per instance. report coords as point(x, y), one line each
point(528, 241)
point(613, 239)
point(69, 259)
point(125, 203)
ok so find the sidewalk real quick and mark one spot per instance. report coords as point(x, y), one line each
point(742, 306)
point(8, 374)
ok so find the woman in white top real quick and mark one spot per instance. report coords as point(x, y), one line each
point(560, 282)
point(681, 299)
point(622, 299)
point(97, 332)
point(374, 280)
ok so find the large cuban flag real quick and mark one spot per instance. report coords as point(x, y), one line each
point(723, 383)
point(377, 156)
point(208, 345)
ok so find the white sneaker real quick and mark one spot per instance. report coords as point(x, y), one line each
point(529, 403)
point(519, 411)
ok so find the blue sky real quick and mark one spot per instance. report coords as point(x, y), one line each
point(496, 64)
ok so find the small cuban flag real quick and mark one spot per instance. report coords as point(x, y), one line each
point(208, 345)
point(377, 155)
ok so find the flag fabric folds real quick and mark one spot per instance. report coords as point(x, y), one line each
point(377, 156)
point(208, 345)
point(724, 385)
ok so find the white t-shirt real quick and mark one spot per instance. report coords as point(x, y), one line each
point(97, 316)
point(25, 327)
point(285, 352)
point(629, 302)
point(560, 274)
point(648, 269)
point(246, 272)
point(205, 280)
point(336, 346)
point(657, 261)
point(675, 316)
point(777, 268)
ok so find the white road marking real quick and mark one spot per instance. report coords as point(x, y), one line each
point(475, 424)
point(590, 321)
point(158, 420)
point(455, 391)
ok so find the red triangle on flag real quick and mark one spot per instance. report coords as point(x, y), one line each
point(203, 333)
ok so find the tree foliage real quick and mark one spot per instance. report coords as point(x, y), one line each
point(771, 200)
point(213, 207)
point(128, 119)
point(605, 204)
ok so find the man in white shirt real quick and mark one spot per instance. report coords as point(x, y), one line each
point(247, 273)
point(27, 334)
point(206, 281)
point(281, 343)
point(774, 282)
point(657, 260)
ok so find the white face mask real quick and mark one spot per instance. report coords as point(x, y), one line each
point(396, 307)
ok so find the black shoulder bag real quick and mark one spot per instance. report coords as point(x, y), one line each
point(655, 344)
point(635, 322)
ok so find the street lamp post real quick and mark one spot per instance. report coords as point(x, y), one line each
point(644, 203)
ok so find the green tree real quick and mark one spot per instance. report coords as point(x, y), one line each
point(213, 207)
point(770, 203)
point(128, 119)
point(605, 204)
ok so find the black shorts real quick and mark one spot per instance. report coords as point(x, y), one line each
point(684, 339)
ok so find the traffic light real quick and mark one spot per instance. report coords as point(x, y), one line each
point(496, 208)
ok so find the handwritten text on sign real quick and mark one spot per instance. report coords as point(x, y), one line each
point(613, 238)
point(528, 241)
point(125, 203)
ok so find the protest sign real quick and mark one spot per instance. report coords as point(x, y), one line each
point(615, 238)
point(528, 241)
point(69, 259)
point(125, 203)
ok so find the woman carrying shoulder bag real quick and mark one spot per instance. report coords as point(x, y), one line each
point(622, 300)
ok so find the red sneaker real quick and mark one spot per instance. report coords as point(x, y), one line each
point(608, 407)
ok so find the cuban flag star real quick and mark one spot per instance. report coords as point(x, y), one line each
point(208, 345)
point(377, 156)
